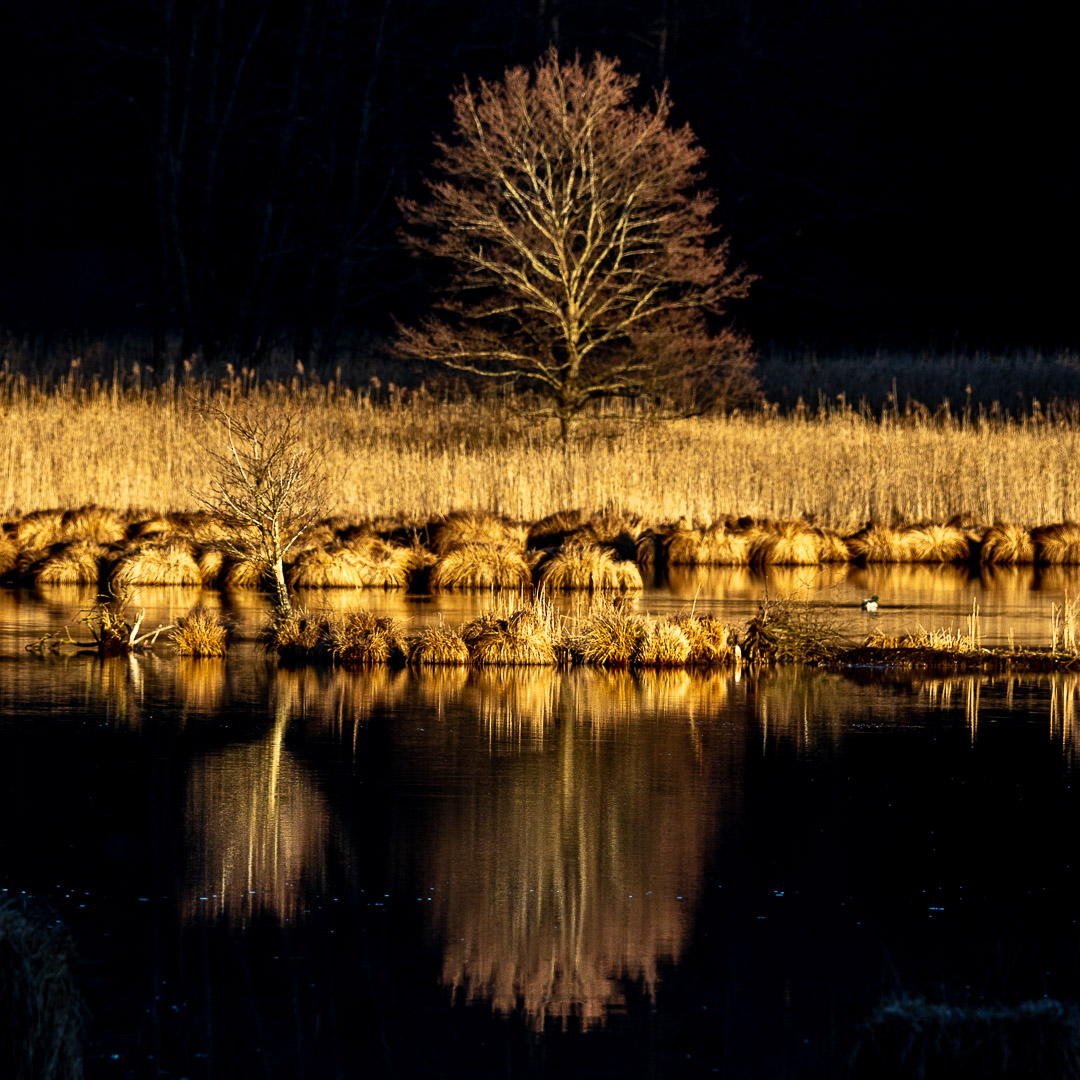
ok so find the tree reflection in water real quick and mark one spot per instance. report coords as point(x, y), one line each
point(568, 873)
point(259, 832)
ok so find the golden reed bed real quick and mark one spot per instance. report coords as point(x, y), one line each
point(420, 455)
point(563, 552)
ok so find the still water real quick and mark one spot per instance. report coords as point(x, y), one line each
point(275, 873)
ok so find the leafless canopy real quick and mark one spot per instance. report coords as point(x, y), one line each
point(584, 259)
point(269, 486)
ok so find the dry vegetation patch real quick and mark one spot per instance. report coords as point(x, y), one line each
point(201, 632)
point(587, 568)
point(480, 566)
point(164, 562)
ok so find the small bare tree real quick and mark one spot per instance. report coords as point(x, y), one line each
point(269, 487)
point(584, 261)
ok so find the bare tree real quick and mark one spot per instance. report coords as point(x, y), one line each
point(584, 261)
point(269, 487)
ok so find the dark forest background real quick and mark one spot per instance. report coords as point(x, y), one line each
point(900, 174)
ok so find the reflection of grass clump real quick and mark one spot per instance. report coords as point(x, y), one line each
point(200, 633)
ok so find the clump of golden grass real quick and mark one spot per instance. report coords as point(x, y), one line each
point(242, 574)
point(211, 562)
point(474, 527)
point(479, 566)
point(528, 636)
point(610, 637)
point(711, 642)
point(552, 530)
point(650, 546)
point(1057, 544)
point(299, 635)
point(201, 632)
point(583, 567)
point(664, 644)
point(166, 562)
point(791, 543)
point(877, 543)
point(39, 529)
point(364, 639)
point(96, 524)
point(616, 531)
point(364, 563)
point(77, 563)
point(721, 544)
point(438, 646)
point(929, 542)
point(150, 527)
point(1006, 545)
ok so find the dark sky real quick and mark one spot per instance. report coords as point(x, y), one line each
point(899, 174)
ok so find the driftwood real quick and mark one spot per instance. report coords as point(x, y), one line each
point(111, 633)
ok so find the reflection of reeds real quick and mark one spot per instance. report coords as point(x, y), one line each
point(573, 871)
point(1064, 694)
point(201, 684)
point(335, 698)
point(258, 830)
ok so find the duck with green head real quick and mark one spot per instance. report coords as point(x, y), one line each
point(871, 604)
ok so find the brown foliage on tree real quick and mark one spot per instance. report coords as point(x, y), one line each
point(584, 260)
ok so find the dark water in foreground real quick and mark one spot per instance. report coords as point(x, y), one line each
point(272, 873)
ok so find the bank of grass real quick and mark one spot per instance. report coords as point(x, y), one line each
point(522, 632)
point(131, 440)
point(517, 633)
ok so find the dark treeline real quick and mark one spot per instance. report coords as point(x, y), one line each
point(898, 173)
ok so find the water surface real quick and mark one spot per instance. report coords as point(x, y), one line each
point(285, 873)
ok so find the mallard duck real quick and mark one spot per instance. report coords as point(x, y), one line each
point(870, 605)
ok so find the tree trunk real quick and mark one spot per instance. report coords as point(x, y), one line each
point(282, 590)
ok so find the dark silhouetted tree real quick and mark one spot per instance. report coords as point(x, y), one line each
point(584, 260)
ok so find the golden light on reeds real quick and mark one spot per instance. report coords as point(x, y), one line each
point(587, 567)
point(571, 872)
point(201, 632)
point(167, 562)
point(480, 566)
point(366, 562)
point(258, 833)
point(1007, 544)
point(1057, 543)
point(474, 527)
point(79, 562)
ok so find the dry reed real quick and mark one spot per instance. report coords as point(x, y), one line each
point(437, 646)
point(367, 562)
point(1006, 545)
point(363, 639)
point(526, 637)
point(479, 566)
point(69, 443)
point(77, 563)
point(474, 527)
point(167, 562)
point(586, 567)
point(201, 632)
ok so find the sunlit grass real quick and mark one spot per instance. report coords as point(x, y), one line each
point(75, 442)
